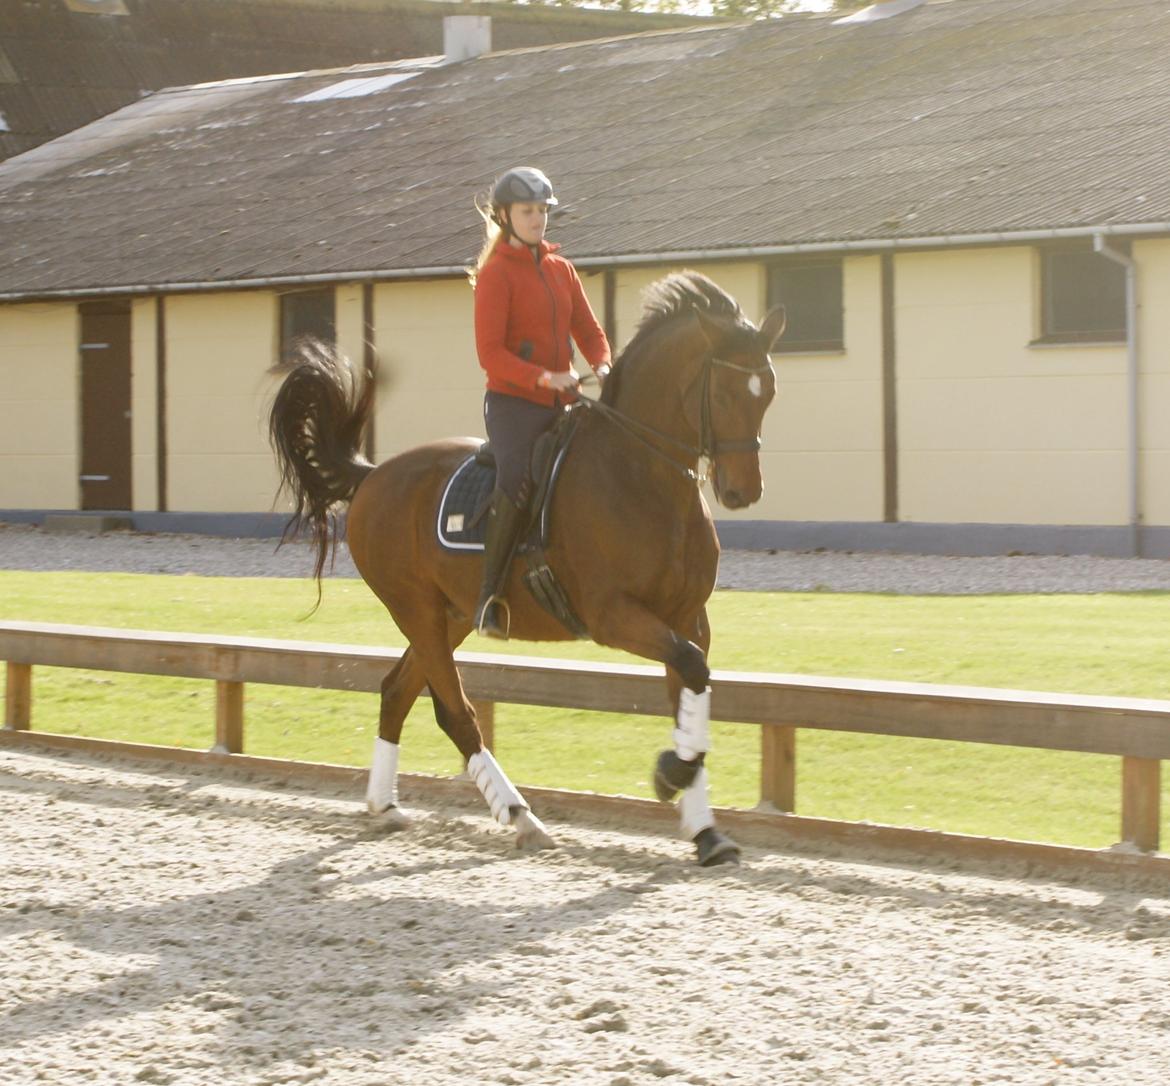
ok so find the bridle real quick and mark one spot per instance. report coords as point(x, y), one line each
point(709, 445)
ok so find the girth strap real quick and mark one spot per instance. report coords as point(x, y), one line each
point(547, 591)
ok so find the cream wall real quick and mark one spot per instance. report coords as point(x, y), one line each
point(594, 284)
point(990, 429)
point(1153, 260)
point(351, 333)
point(144, 403)
point(430, 385)
point(219, 349)
point(39, 410)
point(822, 454)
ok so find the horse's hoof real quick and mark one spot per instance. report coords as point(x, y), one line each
point(530, 832)
point(672, 775)
point(714, 848)
point(392, 818)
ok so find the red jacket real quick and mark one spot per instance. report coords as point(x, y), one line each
point(525, 313)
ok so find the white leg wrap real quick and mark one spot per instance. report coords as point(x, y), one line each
point(494, 786)
point(382, 789)
point(692, 736)
point(694, 812)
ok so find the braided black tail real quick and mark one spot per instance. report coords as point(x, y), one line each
point(316, 427)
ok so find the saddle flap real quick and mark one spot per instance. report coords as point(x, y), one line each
point(462, 525)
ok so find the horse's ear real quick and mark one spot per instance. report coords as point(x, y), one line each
point(712, 330)
point(773, 327)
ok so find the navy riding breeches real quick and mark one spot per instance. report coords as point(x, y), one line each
point(513, 425)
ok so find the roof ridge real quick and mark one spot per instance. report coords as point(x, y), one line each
point(551, 47)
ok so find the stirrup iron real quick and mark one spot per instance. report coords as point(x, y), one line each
point(494, 601)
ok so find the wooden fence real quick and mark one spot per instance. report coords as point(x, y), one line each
point(1137, 731)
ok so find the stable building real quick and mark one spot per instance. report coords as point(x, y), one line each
point(964, 204)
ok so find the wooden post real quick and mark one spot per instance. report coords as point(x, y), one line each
point(485, 717)
point(1141, 796)
point(18, 697)
point(778, 766)
point(229, 717)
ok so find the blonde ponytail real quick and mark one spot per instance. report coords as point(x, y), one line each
point(492, 235)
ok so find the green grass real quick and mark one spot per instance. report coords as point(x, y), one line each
point(1096, 644)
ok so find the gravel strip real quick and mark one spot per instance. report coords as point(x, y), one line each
point(29, 548)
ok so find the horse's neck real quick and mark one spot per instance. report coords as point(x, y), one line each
point(652, 392)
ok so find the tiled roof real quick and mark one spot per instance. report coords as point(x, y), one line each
point(956, 118)
point(64, 63)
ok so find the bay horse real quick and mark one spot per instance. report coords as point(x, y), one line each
point(631, 540)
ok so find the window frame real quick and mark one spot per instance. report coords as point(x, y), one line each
point(1048, 319)
point(288, 340)
point(787, 344)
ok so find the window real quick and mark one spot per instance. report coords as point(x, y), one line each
point(306, 314)
point(1083, 297)
point(812, 293)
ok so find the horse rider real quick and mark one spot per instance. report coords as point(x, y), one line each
point(529, 307)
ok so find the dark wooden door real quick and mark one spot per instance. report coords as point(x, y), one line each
point(105, 405)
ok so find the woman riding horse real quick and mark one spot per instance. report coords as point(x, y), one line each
point(630, 539)
point(528, 302)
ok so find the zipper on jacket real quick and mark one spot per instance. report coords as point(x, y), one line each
point(552, 301)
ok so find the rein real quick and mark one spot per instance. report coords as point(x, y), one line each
point(709, 445)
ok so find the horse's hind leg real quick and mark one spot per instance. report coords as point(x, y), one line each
point(400, 690)
point(456, 717)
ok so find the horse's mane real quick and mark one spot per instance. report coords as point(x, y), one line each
point(675, 295)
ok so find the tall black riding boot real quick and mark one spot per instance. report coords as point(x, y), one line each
point(505, 519)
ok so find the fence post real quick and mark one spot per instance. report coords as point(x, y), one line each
point(229, 717)
point(778, 766)
point(1141, 806)
point(485, 717)
point(18, 697)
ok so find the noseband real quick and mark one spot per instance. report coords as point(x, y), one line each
point(709, 445)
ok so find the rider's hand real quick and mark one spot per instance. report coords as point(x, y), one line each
point(560, 382)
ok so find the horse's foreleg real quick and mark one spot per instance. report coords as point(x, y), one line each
point(630, 626)
point(677, 769)
point(627, 624)
point(683, 770)
point(692, 740)
point(623, 623)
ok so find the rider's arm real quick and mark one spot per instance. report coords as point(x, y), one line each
point(588, 333)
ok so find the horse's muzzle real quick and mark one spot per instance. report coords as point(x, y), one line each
point(737, 489)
